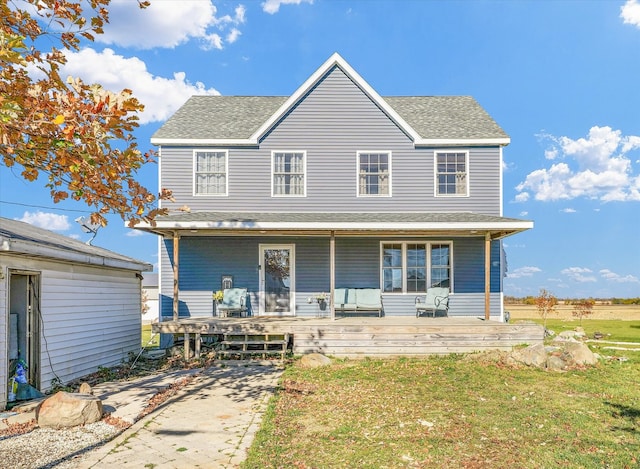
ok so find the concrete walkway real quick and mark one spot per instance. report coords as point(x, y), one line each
point(210, 423)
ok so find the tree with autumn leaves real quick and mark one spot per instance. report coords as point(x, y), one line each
point(78, 135)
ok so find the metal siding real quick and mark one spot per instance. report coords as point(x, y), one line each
point(331, 123)
point(4, 330)
point(91, 317)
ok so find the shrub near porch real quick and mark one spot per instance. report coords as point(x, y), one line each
point(451, 412)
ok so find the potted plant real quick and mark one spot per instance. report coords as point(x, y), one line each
point(321, 299)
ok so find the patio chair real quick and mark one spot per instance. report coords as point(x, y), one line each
point(234, 300)
point(437, 299)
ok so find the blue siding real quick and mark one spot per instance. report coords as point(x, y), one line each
point(203, 261)
point(332, 123)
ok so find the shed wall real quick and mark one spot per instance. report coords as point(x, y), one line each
point(91, 317)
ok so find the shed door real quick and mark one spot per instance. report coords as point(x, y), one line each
point(24, 323)
point(277, 279)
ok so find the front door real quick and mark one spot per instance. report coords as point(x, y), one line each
point(277, 284)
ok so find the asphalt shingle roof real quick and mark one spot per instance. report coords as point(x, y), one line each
point(14, 230)
point(238, 117)
point(337, 217)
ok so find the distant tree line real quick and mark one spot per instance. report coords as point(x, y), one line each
point(531, 300)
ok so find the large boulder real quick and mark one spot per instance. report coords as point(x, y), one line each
point(314, 360)
point(534, 355)
point(578, 353)
point(64, 410)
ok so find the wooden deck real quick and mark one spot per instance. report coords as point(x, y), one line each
point(369, 336)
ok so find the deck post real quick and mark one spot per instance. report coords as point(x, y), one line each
point(487, 276)
point(176, 255)
point(332, 274)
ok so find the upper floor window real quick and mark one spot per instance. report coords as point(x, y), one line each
point(452, 173)
point(288, 173)
point(410, 267)
point(374, 173)
point(210, 174)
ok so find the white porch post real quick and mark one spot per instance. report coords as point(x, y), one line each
point(332, 274)
point(176, 256)
point(487, 276)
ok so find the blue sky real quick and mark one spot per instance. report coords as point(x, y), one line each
point(561, 77)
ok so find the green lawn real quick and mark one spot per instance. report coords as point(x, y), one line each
point(616, 330)
point(146, 336)
point(454, 412)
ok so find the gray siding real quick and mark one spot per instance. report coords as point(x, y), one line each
point(332, 123)
point(203, 260)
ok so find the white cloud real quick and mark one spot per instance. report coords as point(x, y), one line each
point(524, 213)
point(233, 35)
point(48, 221)
point(273, 6)
point(134, 233)
point(161, 96)
point(520, 272)
point(166, 23)
point(595, 167)
point(568, 210)
point(630, 13)
point(579, 274)
point(613, 277)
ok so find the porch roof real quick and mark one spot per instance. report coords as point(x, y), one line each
point(342, 223)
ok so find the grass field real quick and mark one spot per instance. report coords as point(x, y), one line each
point(621, 312)
point(461, 411)
point(147, 340)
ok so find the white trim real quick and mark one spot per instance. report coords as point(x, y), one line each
point(477, 142)
point(159, 176)
point(501, 182)
point(390, 158)
point(252, 225)
point(467, 174)
point(428, 243)
point(292, 277)
point(304, 165)
point(195, 151)
point(334, 60)
point(224, 142)
point(420, 142)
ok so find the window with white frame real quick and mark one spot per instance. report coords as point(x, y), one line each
point(374, 173)
point(411, 267)
point(452, 177)
point(210, 172)
point(288, 173)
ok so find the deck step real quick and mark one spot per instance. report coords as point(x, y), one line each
point(248, 345)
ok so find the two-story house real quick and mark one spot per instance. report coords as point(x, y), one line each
point(333, 186)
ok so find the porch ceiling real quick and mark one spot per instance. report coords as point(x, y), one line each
point(341, 223)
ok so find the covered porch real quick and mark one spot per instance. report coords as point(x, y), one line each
point(332, 250)
point(357, 337)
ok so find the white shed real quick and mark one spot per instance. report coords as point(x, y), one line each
point(67, 307)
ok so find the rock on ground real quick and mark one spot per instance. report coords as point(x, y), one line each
point(64, 410)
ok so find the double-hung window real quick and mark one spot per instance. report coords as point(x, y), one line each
point(288, 173)
point(374, 173)
point(411, 267)
point(210, 172)
point(452, 173)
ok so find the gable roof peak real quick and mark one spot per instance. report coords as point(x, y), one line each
point(333, 61)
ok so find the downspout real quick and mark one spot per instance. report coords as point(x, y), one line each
point(332, 274)
point(487, 276)
point(176, 256)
